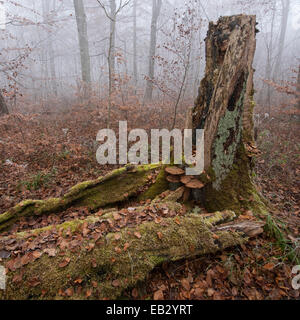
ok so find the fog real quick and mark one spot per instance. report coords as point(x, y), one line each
point(48, 57)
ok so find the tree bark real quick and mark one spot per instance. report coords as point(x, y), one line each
point(156, 8)
point(3, 106)
point(83, 43)
point(135, 71)
point(50, 50)
point(224, 109)
point(281, 42)
point(298, 90)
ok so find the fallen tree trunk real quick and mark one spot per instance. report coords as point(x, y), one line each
point(116, 187)
point(105, 267)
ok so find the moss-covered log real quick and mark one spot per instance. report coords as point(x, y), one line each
point(121, 259)
point(115, 187)
point(224, 109)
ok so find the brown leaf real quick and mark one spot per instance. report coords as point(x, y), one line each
point(160, 235)
point(177, 221)
point(138, 235)
point(117, 236)
point(186, 284)
point(65, 262)
point(116, 283)
point(117, 216)
point(269, 266)
point(50, 252)
point(158, 295)
point(34, 282)
point(17, 278)
point(94, 263)
point(210, 292)
point(36, 254)
point(78, 281)
point(118, 250)
point(69, 292)
point(134, 293)
point(88, 293)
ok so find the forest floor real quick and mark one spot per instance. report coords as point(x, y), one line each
point(44, 155)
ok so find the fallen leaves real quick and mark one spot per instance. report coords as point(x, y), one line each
point(269, 266)
point(116, 283)
point(158, 295)
point(160, 235)
point(64, 262)
point(138, 235)
point(51, 252)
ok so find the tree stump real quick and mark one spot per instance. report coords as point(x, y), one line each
point(224, 109)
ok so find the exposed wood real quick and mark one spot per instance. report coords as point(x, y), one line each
point(224, 109)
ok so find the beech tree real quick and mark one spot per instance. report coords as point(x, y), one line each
point(83, 43)
point(156, 8)
point(111, 57)
point(3, 106)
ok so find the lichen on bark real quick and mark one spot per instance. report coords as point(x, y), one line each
point(224, 109)
point(227, 141)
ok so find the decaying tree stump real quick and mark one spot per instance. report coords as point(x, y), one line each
point(224, 109)
point(118, 259)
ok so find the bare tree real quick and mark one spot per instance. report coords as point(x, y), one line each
point(3, 106)
point(156, 8)
point(50, 50)
point(112, 16)
point(298, 90)
point(284, 21)
point(83, 43)
point(270, 59)
point(135, 72)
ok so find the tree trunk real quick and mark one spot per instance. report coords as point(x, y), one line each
point(111, 57)
point(83, 43)
point(3, 106)
point(156, 7)
point(298, 90)
point(135, 71)
point(281, 42)
point(224, 109)
point(50, 50)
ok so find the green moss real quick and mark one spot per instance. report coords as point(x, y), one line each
point(115, 187)
point(181, 238)
point(160, 185)
point(237, 191)
point(220, 217)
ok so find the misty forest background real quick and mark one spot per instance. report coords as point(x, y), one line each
point(69, 68)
